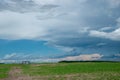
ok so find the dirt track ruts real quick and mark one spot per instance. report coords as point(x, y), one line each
point(16, 74)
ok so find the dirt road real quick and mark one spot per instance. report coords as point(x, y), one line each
point(16, 74)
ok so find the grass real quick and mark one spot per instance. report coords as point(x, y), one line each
point(4, 69)
point(68, 71)
point(71, 68)
point(75, 71)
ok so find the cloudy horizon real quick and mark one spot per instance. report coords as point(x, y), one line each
point(60, 30)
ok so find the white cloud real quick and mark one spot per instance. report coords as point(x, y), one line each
point(9, 61)
point(66, 49)
point(45, 1)
point(8, 56)
point(117, 55)
point(20, 26)
point(16, 26)
point(115, 35)
point(101, 44)
point(17, 56)
point(106, 28)
point(114, 3)
point(84, 57)
point(61, 2)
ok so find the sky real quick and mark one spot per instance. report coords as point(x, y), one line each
point(55, 30)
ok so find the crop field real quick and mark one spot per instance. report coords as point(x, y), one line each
point(62, 71)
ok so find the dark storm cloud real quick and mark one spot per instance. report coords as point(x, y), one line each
point(90, 45)
point(87, 26)
point(24, 6)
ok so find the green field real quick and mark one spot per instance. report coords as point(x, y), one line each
point(4, 69)
point(69, 71)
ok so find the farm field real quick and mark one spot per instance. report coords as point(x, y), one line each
point(63, 71)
